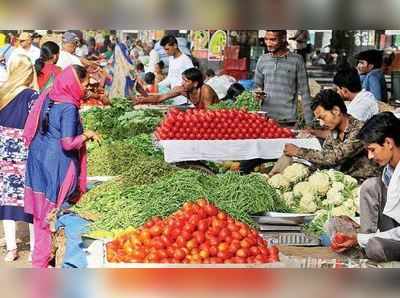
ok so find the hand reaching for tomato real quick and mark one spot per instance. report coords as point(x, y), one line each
point(342, 242)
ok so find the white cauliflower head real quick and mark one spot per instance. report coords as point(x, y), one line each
point(334, 176)
point(356, 198)
point(334, 197)
point(289, 198)
point(308, 204)
point(302, 189)
point(296, 172)
point(337, 186)
point(320, 182)
point(279, 181)
point(350, 181)
point(341, 210)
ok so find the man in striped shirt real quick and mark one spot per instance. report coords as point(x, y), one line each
point(283, 77)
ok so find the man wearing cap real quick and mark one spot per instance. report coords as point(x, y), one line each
point(70, 42)
point(26, 48)
point(371, 75)
point(36, 37)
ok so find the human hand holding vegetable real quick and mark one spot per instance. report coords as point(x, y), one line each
point(291, 150)
point(342, 242)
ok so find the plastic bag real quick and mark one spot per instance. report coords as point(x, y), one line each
point(341, 224)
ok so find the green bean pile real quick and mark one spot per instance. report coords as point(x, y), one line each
point(120, 206)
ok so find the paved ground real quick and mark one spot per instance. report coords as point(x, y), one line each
point(23, 246)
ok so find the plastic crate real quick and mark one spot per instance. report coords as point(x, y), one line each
point(235, 64)
point(232, 52)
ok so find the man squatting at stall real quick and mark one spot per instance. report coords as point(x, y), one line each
point(342, 149)
point(380, 197)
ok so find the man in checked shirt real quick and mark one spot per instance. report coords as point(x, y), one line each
point(282, 76)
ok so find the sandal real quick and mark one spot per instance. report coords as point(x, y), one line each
point(11, 256)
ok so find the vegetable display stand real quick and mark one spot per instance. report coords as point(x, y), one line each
point(218, 150)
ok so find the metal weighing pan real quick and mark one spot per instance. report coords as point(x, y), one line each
point(276, 218)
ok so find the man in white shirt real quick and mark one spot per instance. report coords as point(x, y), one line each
point(67, 54)
point(361, 104)
point(380, 197)
point(178, 63)
point(25, 48)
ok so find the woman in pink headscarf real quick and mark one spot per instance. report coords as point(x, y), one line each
point(56, 165)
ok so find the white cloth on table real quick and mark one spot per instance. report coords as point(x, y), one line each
point(215, 150)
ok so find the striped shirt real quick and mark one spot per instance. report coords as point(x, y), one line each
point(283, 79)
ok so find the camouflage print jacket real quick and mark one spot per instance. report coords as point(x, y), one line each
point(348, 156)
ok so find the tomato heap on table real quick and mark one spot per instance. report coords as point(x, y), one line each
point(198, 233)
point(218, 125)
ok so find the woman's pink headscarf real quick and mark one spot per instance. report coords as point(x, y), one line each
point(66, 89)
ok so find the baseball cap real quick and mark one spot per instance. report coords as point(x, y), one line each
point(70, 37)
point(24, 36)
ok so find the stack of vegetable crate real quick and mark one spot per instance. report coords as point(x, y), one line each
point(233, 65)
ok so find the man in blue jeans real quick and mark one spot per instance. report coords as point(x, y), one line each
point(371, 75)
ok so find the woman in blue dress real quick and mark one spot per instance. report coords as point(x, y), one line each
point(56, 165)
point(16, 98)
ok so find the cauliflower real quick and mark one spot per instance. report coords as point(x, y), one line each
point(279, 181)
point(289, 198)
point(350, 181)
point(337, 186)
point(334, 197)
point(296, 172)
point(320, 182)
point(307, 204)
point(349, 204)
point(302, 189)
point(334, 176)
point(341, 210)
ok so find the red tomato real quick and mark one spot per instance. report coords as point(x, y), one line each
point(202, 226)
point(189, 228)
point(204, 254)
point(242, 252)
point(145, 234)
point(244, 232)
point(180, 241)
point(264, 251)
point(175, 233)
point(231, 226)
point(191, 244)
point(245, 243)
point(224, 233)
point(274, 250)
point(223, 247)
point(186, 235)
point(179, 254)
point(199, 237)
point(233, 248)
point(224, 255)
point(254, 251)
point(236, 235)
point(211, 210)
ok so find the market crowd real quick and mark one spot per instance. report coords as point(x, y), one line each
point(43, 155)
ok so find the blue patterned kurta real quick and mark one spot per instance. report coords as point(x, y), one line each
point(13, 155)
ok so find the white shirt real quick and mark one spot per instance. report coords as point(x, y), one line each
point(392, 208)
point(174, 78)
point(154, 58)
point(176, 67)
point(82, 51)
point(363, 106)
point(66, 59)
point(221, 84)
point(33, 53)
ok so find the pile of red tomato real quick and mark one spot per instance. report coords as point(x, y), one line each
point(218, 125)
point(198, 233)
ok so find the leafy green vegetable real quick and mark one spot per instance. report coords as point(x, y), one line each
point(246, 100)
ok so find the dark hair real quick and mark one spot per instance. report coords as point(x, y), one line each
point(374, 57)
point(280, 32)
point(47, 51)
point(193, 74)
point(348, 78)
point(140, 66)
point(80, 71)
point(379, 127)
point(168, 40)
point(161, 64)
point(328, 99)
point(210, 72)
point(149, 78)
point(234, 91)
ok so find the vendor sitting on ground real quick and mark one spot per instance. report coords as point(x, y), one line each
point(342, 149)
point(193, 87)
point(380, 197)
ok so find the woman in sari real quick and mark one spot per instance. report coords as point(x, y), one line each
point(56, 165)
point(45, 66)
point(16, 98)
